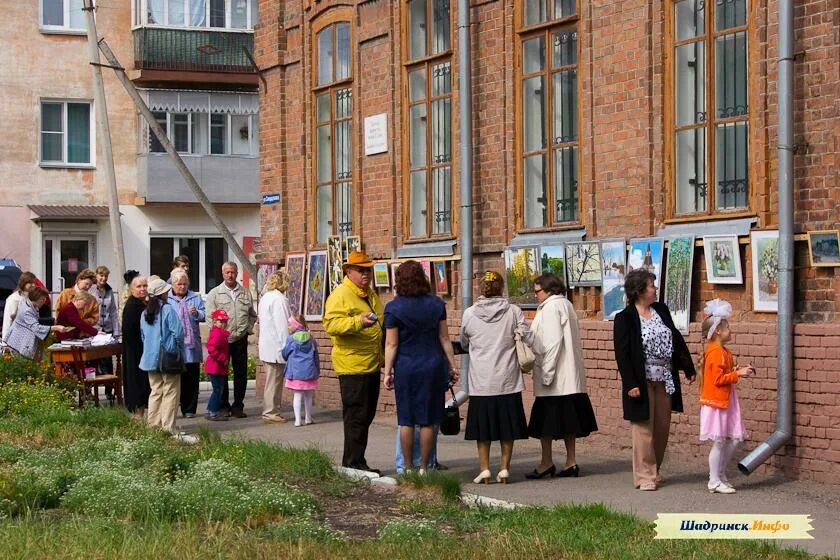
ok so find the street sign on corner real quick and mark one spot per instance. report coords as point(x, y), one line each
point(271, 198)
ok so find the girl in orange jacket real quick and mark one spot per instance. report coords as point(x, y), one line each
point(720, 412)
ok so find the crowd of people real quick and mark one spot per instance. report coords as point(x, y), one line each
point(408, 342)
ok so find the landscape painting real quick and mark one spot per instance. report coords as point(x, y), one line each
point(613, 265)
point(723, 259)
point(295, 267)
point(678, 269)
point(521, 267)
point(380, 275)
point(583, 263)
point(765, 270)
point(647, 254)
point(316, 286)
point(553, 260)
point(824, 248)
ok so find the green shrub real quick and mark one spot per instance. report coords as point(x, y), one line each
point(17, 369)
point(35, 397)
point(252, 369)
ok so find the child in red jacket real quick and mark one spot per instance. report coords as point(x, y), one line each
point(216, 364)
point(720, 412)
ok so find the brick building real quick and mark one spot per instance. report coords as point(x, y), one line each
point(592, 119)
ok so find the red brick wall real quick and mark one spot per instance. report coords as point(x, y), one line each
point(621, 179)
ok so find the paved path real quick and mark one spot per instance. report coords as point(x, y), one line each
point(605, 474)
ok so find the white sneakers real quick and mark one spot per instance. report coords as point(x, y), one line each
point(185, 438)
point(720, 488)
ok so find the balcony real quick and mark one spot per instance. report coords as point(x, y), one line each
point(224, 179)
point(193, 55)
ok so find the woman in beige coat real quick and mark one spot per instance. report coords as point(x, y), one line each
point(562, 409)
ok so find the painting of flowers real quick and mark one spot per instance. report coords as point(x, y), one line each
point(765, 270)
point(723, 259)
point(316, 286)
point(521, 267)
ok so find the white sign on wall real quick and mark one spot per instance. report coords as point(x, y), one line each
point(376, 134)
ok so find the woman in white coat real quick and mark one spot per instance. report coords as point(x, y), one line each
point(562, 409)
point(273, 313)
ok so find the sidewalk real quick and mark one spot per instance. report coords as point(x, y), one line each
point(605, 474)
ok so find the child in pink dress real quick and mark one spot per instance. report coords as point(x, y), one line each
point(720, 411)
point(303, 367)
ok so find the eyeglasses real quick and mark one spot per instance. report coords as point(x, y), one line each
point(538, 290)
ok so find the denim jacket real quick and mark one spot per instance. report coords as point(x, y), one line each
point(173, 337)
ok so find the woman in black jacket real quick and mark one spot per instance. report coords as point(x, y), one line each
point(649, 351)
point(135, 380)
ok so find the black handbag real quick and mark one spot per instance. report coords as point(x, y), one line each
point(451, 423)
point(169, 362)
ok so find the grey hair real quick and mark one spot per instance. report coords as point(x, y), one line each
point(231, 263)
point(178, 273)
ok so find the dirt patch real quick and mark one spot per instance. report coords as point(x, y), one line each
point(361, 514)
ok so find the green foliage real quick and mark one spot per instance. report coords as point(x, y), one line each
point(409, 531)
point(38, 397)
point(252, 369)
point(17, 369)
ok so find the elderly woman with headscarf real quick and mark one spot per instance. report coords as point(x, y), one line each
point(273, 314)
point(649, 352)
point(135, 380)
point(25, 283)
point(26, 332)
point(190, 309)
point(495, 410)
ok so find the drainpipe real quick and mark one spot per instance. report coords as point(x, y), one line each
point(784, 374)
point(465, 113)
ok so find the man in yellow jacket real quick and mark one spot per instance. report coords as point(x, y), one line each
point(353, 318)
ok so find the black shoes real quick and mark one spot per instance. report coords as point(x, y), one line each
point(535, 474)
point(572, 471)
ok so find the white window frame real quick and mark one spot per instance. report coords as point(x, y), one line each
point(60, 29)
point(202, 250)
point(92, 127)
point(253, 150)
point(140, 16)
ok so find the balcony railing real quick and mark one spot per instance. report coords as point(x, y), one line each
point(192, 50)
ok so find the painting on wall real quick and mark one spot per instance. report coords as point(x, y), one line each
point(394, 267)
point(352, 243)
point(723, 259)
point(380, 275)
point(613, 265)
point(678, 269)
point(441, 279)
point(334, 261)
point(553, 261)
point(316, 286)
point(427, 271)
point(765, 270)
point(583, 263)
point(824, 248)
point(521, 267)
point(264, 270)
point(647, 254)
point(295, 267)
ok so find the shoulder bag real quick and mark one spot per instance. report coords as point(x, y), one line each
point(451, 423)
point(524, 354)
point(168, 362)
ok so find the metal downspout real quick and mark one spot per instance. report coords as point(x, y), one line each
point(784, 374)
point(466, 168)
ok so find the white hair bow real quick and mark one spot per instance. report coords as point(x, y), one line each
point(719, 310)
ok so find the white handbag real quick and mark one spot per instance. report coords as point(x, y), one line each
point(524, 354)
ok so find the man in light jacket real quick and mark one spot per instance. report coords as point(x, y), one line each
point(273, 313)
point(353, 318)
point(236, 301)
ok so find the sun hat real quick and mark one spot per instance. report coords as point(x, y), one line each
point(219, 315)
point(158, 287)
point(357, 258)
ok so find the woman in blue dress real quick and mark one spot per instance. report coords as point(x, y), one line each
point(419, 361)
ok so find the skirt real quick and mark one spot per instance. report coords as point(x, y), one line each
point(722, 423)
point(561, 416)
point(496, 418)
point(301, 385)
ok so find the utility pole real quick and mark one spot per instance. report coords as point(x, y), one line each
point(104, 129)
point(176, 158)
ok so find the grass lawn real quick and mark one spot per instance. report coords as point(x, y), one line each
point(93, 483)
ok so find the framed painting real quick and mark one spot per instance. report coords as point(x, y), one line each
point(427, 270)
point(380, 275)
point(553, 261)
point(295, 267)
point(765, 270)
point(316, 286)
point(441, 278)
point(264, 270)
point(613, 265)
point(334, 261)
point(521, 267)
point(723, 259)
point(583, 263)
point(354, 243)
point(678, 268)
point(394, 267)
point(824, 248)
point(647, 254)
